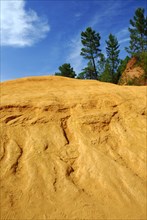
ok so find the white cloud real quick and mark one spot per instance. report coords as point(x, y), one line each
point(124, 40)
point(113, 9)
point(122, 32)
point(78, 14)
point(123, 35)
point(21, 27)
point(74, 58)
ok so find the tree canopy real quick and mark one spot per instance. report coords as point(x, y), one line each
point(112, 56)
point(110, 67)
point(66, 70)
point(88, 72)
point(91, 42)
point(138, 33)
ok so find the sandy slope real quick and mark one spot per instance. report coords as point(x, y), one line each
point(72, 149)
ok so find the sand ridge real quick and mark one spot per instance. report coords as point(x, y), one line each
point(72, 149)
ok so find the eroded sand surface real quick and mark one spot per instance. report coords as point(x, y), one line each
point(72, 149)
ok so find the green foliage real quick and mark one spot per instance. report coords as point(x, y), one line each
point(112, 56)
point(130, 82)
point(81, 76)
point(136, 81)
point(138, 33)
point(111, 68)
point(123, 64)
point(101, 64)
point(105, 76)
point(88, 72)
point(66, 70)
point(142, 61)
point(91, 42)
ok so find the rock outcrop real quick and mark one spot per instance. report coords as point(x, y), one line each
point(133, 74)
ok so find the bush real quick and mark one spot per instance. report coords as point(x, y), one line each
point(66, 70)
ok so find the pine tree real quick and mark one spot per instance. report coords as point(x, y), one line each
point(91, 42)
point(101, 64)
point(138, 33)
point(105, 76)
point(88, 72)
point(113, 55)
point(66, 70)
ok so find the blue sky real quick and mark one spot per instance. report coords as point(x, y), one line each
point(37, 36)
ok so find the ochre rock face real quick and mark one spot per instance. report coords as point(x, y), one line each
point(132, 72)
point(72, 149)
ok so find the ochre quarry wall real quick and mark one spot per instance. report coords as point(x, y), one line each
point(72, 149)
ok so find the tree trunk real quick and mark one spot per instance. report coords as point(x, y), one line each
point(142, 43)
point(93, 61)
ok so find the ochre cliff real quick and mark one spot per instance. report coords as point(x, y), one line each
point(72, 149)
point(133, 74)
